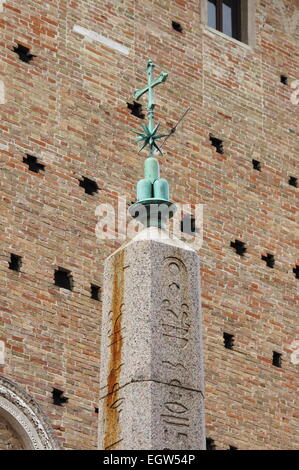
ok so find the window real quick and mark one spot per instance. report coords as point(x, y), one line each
point(233, 18)
point(225, 15)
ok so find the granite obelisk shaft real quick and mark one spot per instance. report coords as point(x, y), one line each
point(151, 377)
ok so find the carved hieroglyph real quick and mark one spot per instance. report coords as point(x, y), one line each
point(151, 378)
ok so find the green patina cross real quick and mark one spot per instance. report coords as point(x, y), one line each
point(149, 136)
point(153, 206)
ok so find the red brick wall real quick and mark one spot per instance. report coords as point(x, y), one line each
point(9, 440)
point(68, 107)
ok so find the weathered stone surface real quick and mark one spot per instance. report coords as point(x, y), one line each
point(151, 330)
point(151, 415)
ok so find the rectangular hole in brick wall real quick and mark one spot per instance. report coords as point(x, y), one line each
point(239, 247)
point(228, 340)
point(217, 143)
point(296, 272)
point(95, 292)
point(232, 448)
point(58, 398)
point(293, 181)
point(284, 79)
point(15, 262)
point(63, 278)
point(256, 165)
point(177, 26)
point(136, 109)
point(89, 185)
point(269, 259)
point(33, 164)
point(23, 53)
point(210, 444)
point(276, 359)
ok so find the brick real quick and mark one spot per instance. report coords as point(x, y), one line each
point(68, 107)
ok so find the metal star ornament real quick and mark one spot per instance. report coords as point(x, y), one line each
point(149, 137)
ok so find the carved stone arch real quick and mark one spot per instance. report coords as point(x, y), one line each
point(25, 417)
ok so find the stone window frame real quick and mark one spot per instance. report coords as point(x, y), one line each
point(248, 19)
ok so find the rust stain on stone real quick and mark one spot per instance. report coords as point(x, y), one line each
point(113, 401)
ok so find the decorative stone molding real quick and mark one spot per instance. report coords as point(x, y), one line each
point(26, 418)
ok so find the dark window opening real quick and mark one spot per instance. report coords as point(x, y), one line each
point(210, 444)
point(136, 109)
point(293, 181)
point(95, 292)
point(15, 262)
point(228, 340)
point(270, 260)
point(177, 26)
point(217, 143)
point(63, 278)
point(296, 272)
point(23, 53)
point(239, 247)
point(225, 16)
point(284, 79)
point(188, 225)
point(276, 361)
point(232, 448)
point(33, 164)
point(96, 410)
point(58, 398)
point(89, 186)
point(256, 165)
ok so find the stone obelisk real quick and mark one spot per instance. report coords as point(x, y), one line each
point(151, 377)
